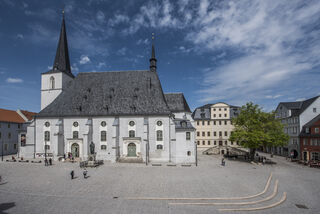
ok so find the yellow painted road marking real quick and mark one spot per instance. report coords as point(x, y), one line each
point(230, 198)
point(284, 197)
point(275, 190)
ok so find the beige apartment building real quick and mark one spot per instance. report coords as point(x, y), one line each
point(214, 126)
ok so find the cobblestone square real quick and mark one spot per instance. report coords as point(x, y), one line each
point(115, 188)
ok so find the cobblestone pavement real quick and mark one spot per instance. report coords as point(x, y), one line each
point(34, 188)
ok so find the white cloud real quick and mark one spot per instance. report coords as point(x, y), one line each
point(266, 41)
point(50, 67)
point(19, 36)
point(14, 80)
point(74, 68)
point(273, 96)
point(154, 15)
point(142, 41)
point(118, 19)
point(184, 49)
point(25, 5)
point(300, 99)
point(122, 51)
point(101, 64)
point(100, 16)
point(84, 59)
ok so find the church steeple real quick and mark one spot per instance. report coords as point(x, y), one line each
point(153, 60)
point(62, 61)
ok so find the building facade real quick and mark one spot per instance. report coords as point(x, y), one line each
point(213, 124)
point(13, 128)
point(124, 114)
point(310, 140)
point(294, 115)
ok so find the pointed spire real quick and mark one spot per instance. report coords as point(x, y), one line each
point(153, 60)
point(62, 61)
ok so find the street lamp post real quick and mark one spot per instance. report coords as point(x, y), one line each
point(45, 152)
point(2, 151)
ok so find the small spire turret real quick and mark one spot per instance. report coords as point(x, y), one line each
point(153, 60)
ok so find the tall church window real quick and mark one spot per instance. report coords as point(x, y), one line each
point(131, 133)
point(47, 136)
point(103, 136)
point(52, 83)
point(188, 136)
point(159, 135)
point(75, 134)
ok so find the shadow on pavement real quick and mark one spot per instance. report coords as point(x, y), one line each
point(6, 206)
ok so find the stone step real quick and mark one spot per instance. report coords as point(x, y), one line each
point(130, 160)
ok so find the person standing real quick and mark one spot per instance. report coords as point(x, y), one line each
point(85, 173)
point(46, 162)
point(72, 174)
point(50, 161)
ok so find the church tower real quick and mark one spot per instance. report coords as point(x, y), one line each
point(54, 81)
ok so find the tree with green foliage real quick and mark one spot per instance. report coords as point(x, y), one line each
point(255, 128)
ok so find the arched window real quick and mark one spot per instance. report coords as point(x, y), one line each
point(75, 134)
point(159, 135)
point(47, 136)
point(159, 147)
point(131, 133)
point(103, 136)
point(52, 83)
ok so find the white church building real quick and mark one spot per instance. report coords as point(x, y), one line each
point(125, 114)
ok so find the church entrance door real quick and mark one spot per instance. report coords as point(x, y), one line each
point(75, 150)
point(132, 150)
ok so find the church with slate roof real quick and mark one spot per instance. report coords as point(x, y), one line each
point(124, 114)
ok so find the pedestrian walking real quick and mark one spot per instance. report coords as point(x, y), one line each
point(46, 162)
point(264, 160)
point(50, 161)
point(72, 174)
point(85, 173)
point(223, 163)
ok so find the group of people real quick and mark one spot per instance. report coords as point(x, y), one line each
point(85, 172)
point(48, 162)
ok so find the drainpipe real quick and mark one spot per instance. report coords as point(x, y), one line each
point(196, 153)
point(2, 150)
point(169, 140)
point(34, 139)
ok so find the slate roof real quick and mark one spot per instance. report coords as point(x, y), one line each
point(181, 124)
point(309, 125)
point(197, 114)
point(110, 93)
point(298, 107)
point(206, 110)
point(177, 102)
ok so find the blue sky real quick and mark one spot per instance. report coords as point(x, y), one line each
point(231, 51)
